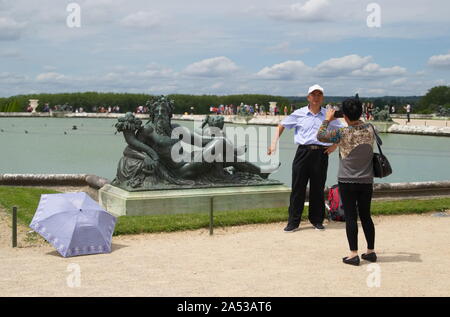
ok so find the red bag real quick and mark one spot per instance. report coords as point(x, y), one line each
point(336, 210)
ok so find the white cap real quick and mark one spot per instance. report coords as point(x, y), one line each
point(315, 87)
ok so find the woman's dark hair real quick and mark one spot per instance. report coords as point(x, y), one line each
point(352, 108)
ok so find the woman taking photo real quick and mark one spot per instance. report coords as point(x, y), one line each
point(355, 176)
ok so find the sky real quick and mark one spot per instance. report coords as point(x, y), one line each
point(374, 48)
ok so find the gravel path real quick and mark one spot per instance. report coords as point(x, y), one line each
point(252, 260)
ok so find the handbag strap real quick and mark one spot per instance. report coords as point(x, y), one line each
point(378, 139)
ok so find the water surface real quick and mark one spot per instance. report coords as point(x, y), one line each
point(49, 145)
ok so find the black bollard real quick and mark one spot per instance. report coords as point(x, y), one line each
point(14, 227)
point(211, 217)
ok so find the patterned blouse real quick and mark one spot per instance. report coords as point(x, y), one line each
point(355, 150)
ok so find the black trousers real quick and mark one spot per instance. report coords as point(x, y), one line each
point(308, 165)
point(356, 199)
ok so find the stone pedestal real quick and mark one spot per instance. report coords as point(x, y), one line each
point(272, 105)
point(176, 201)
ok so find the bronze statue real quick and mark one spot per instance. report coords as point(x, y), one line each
point(382, 115)
point(155, 159)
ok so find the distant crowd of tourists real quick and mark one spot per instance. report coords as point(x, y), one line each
point(252, 110)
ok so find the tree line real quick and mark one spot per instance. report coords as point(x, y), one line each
point(436, 98)
point(200, 104)
point(90, 101)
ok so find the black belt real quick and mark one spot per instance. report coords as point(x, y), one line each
point(313, 147)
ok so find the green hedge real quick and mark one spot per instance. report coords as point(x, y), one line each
point(10, 105)
point(129, 102)
point(437, 96)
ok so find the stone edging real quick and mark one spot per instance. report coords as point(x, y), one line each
point(392, 190)
point(93, 181)
point(412, 189)
point(421, 130)
point(409, 190)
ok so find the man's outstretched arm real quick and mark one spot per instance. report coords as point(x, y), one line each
point(276, 138)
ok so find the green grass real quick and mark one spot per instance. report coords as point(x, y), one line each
point(168, 223)
point(27, 199)
point(411, 206)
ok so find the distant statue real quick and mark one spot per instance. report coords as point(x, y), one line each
point(155, 159)
point(382, 115)
point(63, 108)
point(443, 112)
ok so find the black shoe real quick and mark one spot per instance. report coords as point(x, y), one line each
point(371, 257)
point(353, 261)
point(291, 228)
point(319, 226)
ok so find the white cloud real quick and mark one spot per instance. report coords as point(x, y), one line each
point(356, 66)
point(440, 61)
point(348, 69)
point(398, 82)
point(310, 11)
point(375, 70)
point(211, 67)
point(142, 19)
point(50, 77)
point(285, 71)
point(10, 29)
point(343, 65)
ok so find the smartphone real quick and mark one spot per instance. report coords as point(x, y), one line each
point(338, 111)
point(338, 114)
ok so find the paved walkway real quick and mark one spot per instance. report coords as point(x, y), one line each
point(424, 122)
point(253, 260)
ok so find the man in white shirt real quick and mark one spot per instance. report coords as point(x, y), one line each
point(311, 160)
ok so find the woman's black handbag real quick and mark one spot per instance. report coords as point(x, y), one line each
point(381, 165)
